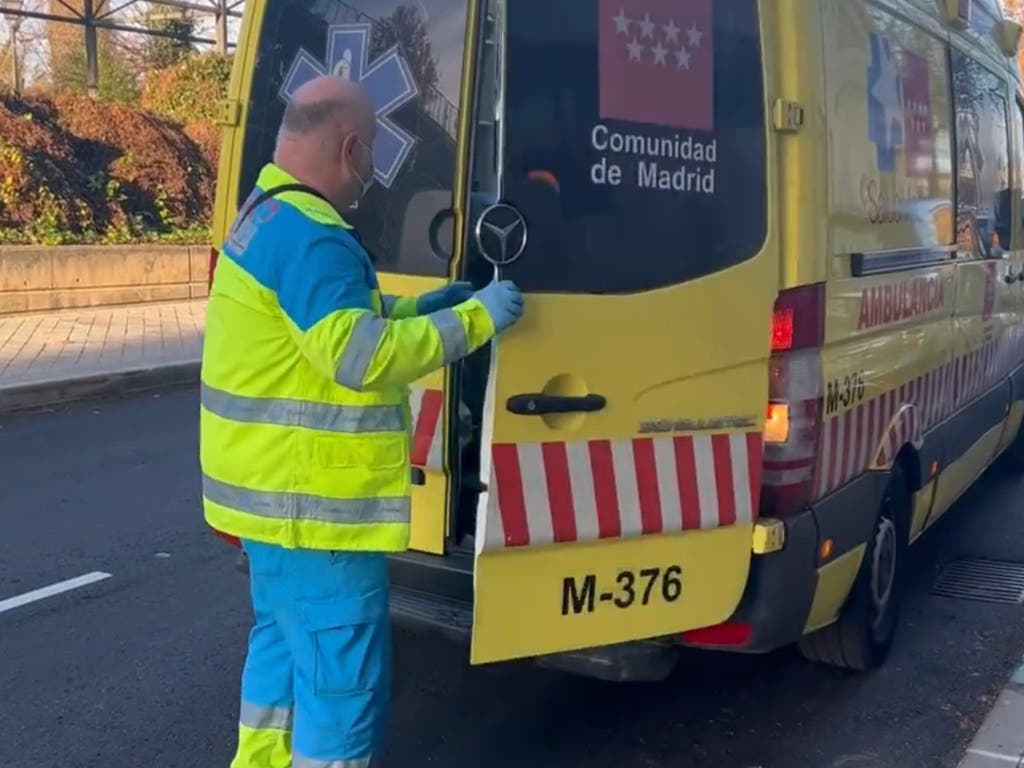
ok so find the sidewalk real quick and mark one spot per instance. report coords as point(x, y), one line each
point(1000, 740)
point(57, 356)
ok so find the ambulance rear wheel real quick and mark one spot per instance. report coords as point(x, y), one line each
point(862, 636)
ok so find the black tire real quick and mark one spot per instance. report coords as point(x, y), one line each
point(862, 636)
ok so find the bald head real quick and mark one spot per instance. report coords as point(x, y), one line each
point(327, 102)
point(326, 138)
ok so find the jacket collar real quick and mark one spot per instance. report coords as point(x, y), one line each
point(272, 175)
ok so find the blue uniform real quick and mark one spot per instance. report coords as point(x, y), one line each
point(319, 662)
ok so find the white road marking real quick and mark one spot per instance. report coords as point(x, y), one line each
point(995, 756)
point(54, 589)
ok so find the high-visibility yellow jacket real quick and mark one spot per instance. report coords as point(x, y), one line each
point(305, 425)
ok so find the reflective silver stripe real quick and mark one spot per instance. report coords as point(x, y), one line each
point(303, 413)
point(256, 716)
point(388, 303)
point(453, 335)
point(298, 761)
point(304, 506)
point(355, 360)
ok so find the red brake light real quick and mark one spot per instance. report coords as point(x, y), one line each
point(782, 329)
point(798, 321)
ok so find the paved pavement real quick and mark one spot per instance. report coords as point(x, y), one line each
point(142, 668)
point(40, 349)
point(999, 742)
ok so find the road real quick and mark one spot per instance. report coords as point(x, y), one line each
point(141, 669)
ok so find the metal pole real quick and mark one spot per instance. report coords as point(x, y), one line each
point(222, 27)
point(92, 52)
point(15, 64)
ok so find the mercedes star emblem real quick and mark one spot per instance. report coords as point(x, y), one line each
point(501, 234)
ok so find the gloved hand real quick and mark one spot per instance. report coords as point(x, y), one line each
point(504, 303)
point(443, 298)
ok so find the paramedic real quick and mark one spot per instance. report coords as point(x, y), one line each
point(304, 432)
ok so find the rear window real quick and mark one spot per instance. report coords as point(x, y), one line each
point(634, 141)
point(408, 55)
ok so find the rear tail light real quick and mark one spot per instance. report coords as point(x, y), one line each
point(798, 320)
point(776, 424)
point(214, 254)
point(792, 429)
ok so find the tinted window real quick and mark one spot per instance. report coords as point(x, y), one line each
point(634, 141)
point(890, 124)
point(420, 79)
point(983, 165)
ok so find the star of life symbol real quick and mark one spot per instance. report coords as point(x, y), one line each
point(644, 40)
point(388, 83)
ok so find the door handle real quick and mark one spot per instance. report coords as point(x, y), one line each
point(534, 405)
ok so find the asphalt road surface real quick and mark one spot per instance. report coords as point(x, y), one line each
point(141, 668)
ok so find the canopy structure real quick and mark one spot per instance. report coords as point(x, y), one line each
point(94, 15)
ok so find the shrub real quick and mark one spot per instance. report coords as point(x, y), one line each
point(77, 170)
point(190, 90)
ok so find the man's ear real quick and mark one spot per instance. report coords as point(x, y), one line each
point(348, 145)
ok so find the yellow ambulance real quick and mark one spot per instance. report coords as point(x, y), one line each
point(773, 257)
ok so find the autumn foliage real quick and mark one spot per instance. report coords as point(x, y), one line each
point(77, 170)
point(74, 169)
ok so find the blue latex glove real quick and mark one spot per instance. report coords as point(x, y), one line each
point(503, 302)
point(443, 298)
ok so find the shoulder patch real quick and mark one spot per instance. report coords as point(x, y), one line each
point(243, 230)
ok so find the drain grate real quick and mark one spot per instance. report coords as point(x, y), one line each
point(986, 581)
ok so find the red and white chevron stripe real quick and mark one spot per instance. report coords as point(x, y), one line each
point(870, 435)
point(426, 406)
point(541, 493)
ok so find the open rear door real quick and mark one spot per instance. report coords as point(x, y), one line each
point(409, 58)
point(623, 415)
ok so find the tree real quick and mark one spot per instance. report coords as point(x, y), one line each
point(405, 28)
point(118, 79)
point(165, 52)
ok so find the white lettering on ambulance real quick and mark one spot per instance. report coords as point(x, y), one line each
point(674, 147)
point(695, 174)
point(650, 175)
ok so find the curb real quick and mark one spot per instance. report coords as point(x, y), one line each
point(97, 386)
point(999, 743)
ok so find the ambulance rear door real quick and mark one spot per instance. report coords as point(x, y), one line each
point(623, 414)
point(409, 59)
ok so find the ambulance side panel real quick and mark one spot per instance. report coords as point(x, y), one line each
point(922, 311)
point(889, 339)
point(986, 341)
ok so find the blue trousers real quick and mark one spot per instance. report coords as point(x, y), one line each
point(316, 687)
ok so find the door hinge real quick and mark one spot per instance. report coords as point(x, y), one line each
point(787, 116)
point(229, 112)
